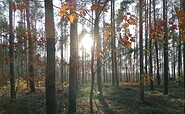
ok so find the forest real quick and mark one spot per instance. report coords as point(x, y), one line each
point(92, 56)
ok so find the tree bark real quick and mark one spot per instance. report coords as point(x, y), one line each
point(98, 49)
point(73, 66)
point(141, 51)
point(150, 47)
point(11, 53)
point(166, 68)
point(156, 49)
point(62, 61)
point(30, 43)
point(50, 69)
point(184, 45)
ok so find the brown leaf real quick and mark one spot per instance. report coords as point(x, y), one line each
point(107, 36)
point(182, 38)
point(125, 25)
point(127, 44)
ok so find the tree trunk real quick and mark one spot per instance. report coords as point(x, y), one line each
point(50, 69)
point(141, 51)
point(11, 53)
point(150, 47)
point(165, 50)
point(73, 67)
point(98, 50)
point(92, 71)
point(114, 44)
point(62, 58)
point(146, 38)
point(156, 49)
point(183, 3)
point(179, 61)
point(30, 43)
point(112, 47)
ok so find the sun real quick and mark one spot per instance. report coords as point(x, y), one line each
point(86, 42)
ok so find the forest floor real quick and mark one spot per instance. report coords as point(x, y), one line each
point(123, 99)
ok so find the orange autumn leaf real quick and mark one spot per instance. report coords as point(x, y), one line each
point(63, 10)
point(127, 44)
point(71, 17)
point(107, 36)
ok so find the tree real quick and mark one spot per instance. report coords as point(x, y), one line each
point(73, 66)
point(141, 51)
point(146, 39)
point(156, 48)
point(183, 4)
point(98, 47)
point(150, 47)
point(50, 69)
point(165, 49)
point(113, 46)
point(11, 52)
point(30, 43)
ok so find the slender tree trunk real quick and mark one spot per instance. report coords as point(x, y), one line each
point(141, 51)
point(112, 44)
point(156, 49)
point(11, 53)
point(166, 68)
point(150, 47)
point(30, 43)
point(179, 61)
point(92, 78)
point(73, 67)
point(98, 50)
point(83, 67)
point(183, 3)
point(146, 37)
point(62, 58)
point(92, 70)
point(50, 69)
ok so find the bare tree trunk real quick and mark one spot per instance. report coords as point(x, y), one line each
point(92, 71)
point(73, 66)
point(156, 49)
point(141, 51)
point(50, 69)
point(30, 43)
point(62, 58)
point(112, 45)
point(98, 49)
point(183, 4)
point(150, 47)
point(166, 68)
point(146, 38)
point(11, 53)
